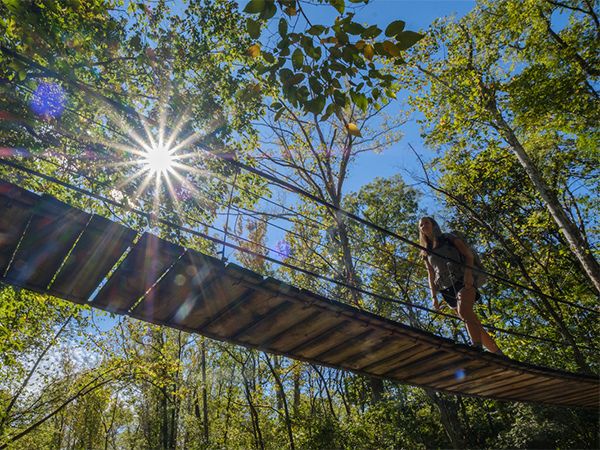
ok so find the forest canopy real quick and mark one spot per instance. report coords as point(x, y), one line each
point(244, 123)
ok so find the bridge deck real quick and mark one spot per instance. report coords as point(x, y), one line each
point(50, 247)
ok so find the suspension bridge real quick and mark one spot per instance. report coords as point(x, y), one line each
point(52, 248)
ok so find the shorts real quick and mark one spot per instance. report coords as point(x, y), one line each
point(450, 293)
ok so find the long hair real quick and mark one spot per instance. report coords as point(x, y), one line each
point(424, 240)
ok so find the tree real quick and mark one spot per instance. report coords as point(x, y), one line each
point(507, 78)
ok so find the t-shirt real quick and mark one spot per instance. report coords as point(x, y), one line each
point(446, 272)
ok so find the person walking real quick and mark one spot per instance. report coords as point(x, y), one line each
point(453, 279)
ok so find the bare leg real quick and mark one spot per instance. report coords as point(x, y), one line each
point(478, 334)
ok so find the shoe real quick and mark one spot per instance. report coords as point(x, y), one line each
point(477, 346)
point(499, 352)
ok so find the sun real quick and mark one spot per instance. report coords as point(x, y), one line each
point(159, 160)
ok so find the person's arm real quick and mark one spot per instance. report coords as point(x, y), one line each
point(431, 278)
point(469, 260)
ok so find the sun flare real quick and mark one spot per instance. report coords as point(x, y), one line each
point(159, 160)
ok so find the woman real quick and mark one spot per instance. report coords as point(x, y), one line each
point(452, 279)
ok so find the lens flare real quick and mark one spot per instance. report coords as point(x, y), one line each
point(159, 160)
point(48, 100)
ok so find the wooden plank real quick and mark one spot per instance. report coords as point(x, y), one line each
point(350, 343)
point(365, 345)
point(306, 331)
point(433, 363)
point(540, 386)
point(564, 392)
point(569, 399)
point(585, 398)
point(511, 383)
point(454, 371)
point(340, 334)
point(214, 299)
point(404, 352)
point(476, 377)
point(407, 358)
point(273, 334)
point(182, 287)
point(16, 205)
point(497, 376)
point(268, 316)
point(140, 269)
point(214, 319)
point(98, 249)
point(253, 308)
point(53, 230)
point(541, 390)
point(319, 338)
point(390, 348)
point(491, 387)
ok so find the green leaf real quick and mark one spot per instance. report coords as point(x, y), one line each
point(315, 84)
point(136, 43)
point(315, 30)
point(360, 100)
point(339, 98)
point(268, 57)
point(269, 10)
point(285, 74)
point(340, 5)
point(283, 27)
point(395, 28)
point(255, 6)
point(297, 59)
point(372, 32)
point(314, 52)
point(315, 105)
point(328, 112)
point(295, 79)
point(349, 52)
point(253, 27)
point(354, 28)
point(407, 39)
point(278, 114)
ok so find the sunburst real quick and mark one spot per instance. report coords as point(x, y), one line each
point(159, 160)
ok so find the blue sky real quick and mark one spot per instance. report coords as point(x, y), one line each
point(418, 15)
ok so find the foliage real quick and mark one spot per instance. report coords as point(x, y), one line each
point(208, 70)
point(325, 68)
point(508, 99)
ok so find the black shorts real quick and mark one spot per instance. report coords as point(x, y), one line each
point(451, 292)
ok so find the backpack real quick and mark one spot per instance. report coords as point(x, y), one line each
point(479, 278)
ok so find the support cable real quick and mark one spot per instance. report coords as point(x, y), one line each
point(130, 112)
point(259, 255)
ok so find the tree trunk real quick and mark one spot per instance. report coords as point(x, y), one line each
point(296, 380)
point(449, 418)
point(576, 241)
point(282, 398)
point(204, 391)
point(254, 415)
point(377, 388)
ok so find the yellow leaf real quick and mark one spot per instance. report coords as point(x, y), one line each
point(360, 44)
point(254, 51)
point(369, 51)
point(353, 130)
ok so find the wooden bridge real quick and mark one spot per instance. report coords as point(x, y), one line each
point(52, 248)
